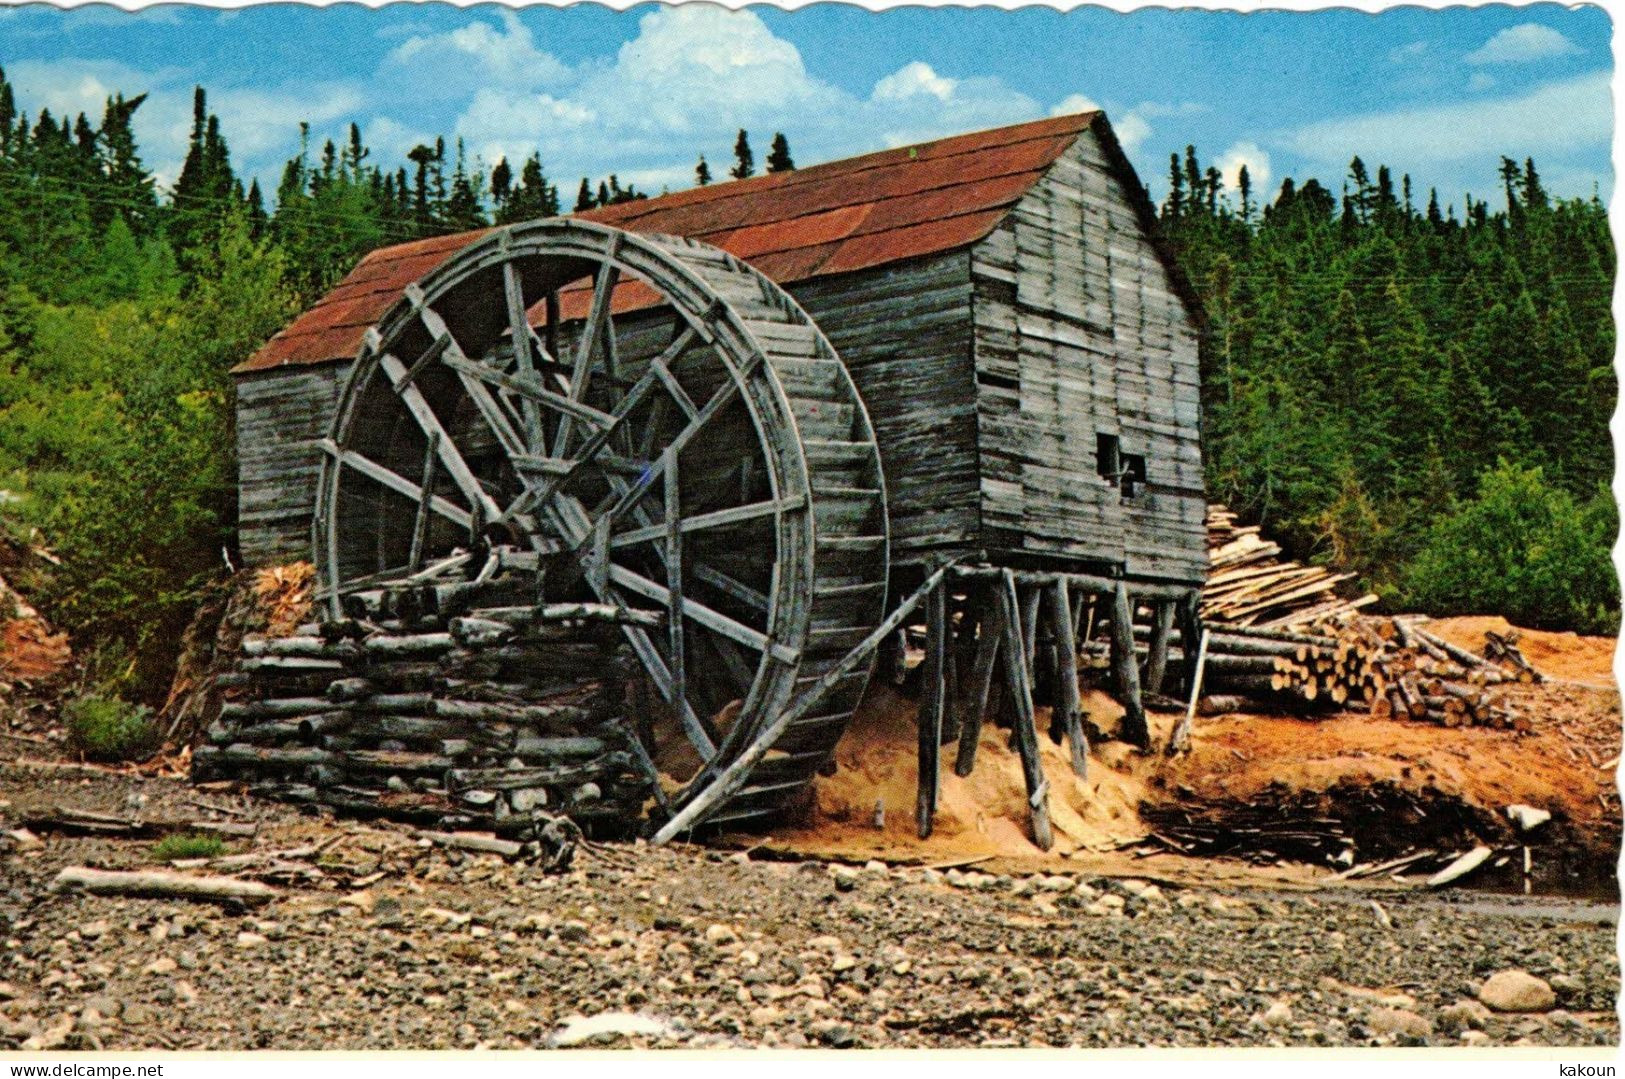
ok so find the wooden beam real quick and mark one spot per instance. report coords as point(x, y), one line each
point(674, 580)
point(1156, 658)
point(1068, 704)
point(519, 331)
point(420, 527)
point(1016, 678)
point(737, 772)
point(933, 695)
point(981, 683)
point(1136, 730)
point(450, 456)
point(699, 612)
point(714, 519)
point(591, 333)
point(394, 481)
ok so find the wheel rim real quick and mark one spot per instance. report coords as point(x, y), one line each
point(654, 459)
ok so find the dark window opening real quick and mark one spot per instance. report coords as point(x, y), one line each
point(1133, 474)
point(1107, 458)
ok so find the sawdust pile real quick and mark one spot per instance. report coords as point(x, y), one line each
point(981, 815)
point(1565, 765)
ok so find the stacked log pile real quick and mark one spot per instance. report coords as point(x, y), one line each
point(1390, 667)
point(1249, 584)
point(453, 705)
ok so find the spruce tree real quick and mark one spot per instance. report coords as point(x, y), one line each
point(744, 160)
point(702, 173)
point(778, 156)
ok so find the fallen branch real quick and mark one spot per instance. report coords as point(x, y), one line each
point(162, 885)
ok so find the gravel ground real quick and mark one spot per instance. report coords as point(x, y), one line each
point(401, 945)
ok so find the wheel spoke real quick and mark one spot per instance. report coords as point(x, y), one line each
point(519, 331)
point(699, 612)
point(597, 317)
point(714, 519)
point(456, 467)
point(636, 492)
point(420, 527)
point(530, 388)
point(395, 481)
point(674, 576)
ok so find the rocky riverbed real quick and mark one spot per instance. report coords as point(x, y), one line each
point(384, 941)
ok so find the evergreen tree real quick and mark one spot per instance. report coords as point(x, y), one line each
point(584, 199)
point(744, 160)
point(702, 173)
point(778, 156)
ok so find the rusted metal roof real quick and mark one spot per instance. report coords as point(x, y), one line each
point(826, 219)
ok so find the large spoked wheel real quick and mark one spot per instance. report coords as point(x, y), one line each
point(643, 420)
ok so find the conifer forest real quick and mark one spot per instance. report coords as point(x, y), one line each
point(1412, 384)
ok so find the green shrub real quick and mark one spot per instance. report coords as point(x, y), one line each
point(174, 848)
point(1523, 549)
point(109, 729)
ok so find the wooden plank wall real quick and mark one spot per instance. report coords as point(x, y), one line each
point(280, 415)
point(1078, 333)
point(904, 332)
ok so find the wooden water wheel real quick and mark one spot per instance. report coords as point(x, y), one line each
point(640, 420)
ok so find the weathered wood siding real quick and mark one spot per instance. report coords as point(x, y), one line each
point(280, 415)
point(904, 331)
point(1079, 333)
point(988, 375)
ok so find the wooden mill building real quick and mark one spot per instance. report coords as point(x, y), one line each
point(1026, 351)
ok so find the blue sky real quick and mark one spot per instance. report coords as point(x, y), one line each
point(1440, 94)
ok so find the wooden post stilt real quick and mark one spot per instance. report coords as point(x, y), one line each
point(1190, 630)
point(1029, 625)
point(1156, 660)
point(933, 698)
point(1135, 728)
point(981, 682)
point(1068, 704)
point(951, 704)
point(1015, 670)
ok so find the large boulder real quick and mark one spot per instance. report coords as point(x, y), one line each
point(1516, 991)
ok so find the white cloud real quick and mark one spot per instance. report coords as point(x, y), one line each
point(1553, 118)
point(1132, 129)
point(256, 122)
point(1521, 44)
point(911, 80)
point(1480, 81)
point(697, 73)
point(1407, 52)
point(1074, 103)
point(1132, 126)
point(460, 62)
point(1257, 163)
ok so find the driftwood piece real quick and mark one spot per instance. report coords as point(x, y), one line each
point(473, 841)
point(1459, 868)
point(163, 885)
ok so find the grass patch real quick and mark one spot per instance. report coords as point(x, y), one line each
point(174, 848)
point(110, 729)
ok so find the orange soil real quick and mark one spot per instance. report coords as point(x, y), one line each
point(1567, 656)
point(1557, 767)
